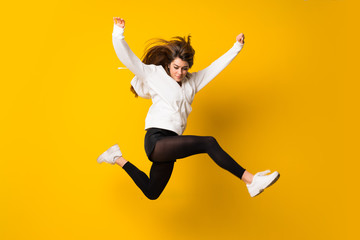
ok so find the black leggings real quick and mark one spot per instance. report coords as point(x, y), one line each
point(167, 151)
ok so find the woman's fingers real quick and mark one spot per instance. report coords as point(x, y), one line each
point(119, 21)
point(240, 38)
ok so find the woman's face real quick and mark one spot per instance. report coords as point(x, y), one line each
point(178, 69)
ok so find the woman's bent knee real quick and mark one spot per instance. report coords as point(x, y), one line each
point(153, 196)
point(211, 140)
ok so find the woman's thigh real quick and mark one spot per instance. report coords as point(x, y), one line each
point(176, 147)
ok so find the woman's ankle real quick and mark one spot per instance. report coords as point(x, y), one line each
point(120, 161)
point(247, 177)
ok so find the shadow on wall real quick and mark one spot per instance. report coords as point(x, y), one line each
point(214, 190)
point(234, 119)
point(212, 196)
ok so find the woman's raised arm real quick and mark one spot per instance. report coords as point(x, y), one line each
point(123, 51)
point(203, 77)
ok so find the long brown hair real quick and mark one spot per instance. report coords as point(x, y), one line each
point(163, 52)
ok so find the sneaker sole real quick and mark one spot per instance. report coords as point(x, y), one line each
point(272, 182)
point(100, 159)
point(110, 150)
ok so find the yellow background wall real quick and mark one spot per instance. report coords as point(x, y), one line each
point(287, 102)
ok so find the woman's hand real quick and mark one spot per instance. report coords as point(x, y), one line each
point(119, 22)
point(240, 38)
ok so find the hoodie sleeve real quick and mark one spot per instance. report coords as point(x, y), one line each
point(126, 55)
point(203, 77)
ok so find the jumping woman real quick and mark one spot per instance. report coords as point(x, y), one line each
point(163, 76)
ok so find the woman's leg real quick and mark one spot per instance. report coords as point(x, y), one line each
point(176, 147)
point(168, 149)
point(152, 187)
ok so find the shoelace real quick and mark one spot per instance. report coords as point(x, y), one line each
point(260, 174)
point(263, 173)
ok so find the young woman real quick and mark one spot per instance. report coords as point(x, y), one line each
point(163, 76)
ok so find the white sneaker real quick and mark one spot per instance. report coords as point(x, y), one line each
point(110, 155)
point(262, 181)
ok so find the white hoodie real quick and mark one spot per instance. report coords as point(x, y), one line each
point(171, 102)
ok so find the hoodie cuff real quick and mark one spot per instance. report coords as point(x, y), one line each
point(118, 32)
point(238, 45)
